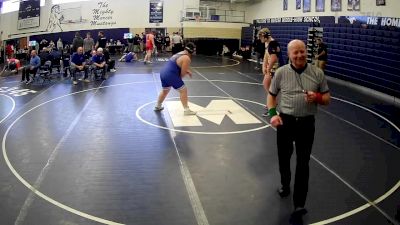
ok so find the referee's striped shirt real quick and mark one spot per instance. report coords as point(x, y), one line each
point(291, 84)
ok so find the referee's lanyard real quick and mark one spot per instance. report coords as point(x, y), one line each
point(298, 78)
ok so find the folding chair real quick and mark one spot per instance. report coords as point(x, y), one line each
point(45, 72)
point(66, 66)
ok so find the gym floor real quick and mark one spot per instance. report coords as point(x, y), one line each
point(97, 153)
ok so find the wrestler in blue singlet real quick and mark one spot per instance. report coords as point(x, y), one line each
point(171, 74)
point(129, 57)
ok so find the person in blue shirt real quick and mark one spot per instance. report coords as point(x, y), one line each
point(32, 68)
point(89, 62)
point(171, 76)
point(78, 63)
point(99, 63)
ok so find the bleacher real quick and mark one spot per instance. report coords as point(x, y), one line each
point(366, 56)
point(285, 32)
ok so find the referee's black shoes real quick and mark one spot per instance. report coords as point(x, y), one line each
point(296, 218)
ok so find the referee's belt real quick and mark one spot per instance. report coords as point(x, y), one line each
point(297, 118)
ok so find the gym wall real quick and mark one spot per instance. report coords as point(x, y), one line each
point(274, 9)
point(94, 14)
point(213, 30)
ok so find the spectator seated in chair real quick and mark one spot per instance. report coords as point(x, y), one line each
point(89, 62)
point(242, 53)
point(45, 60)
point(78, 64)
point(45, 63)
point(99, 63)
point(247, 52)
point(45, 71)
point(225, 51)
point(55, 56)
point(32, 68)
point(66, 58)
point(44, 56)
point(110, 62)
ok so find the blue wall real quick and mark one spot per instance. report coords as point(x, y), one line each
point(365, 55)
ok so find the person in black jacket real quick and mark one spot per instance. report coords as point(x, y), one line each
point(322, 54)
point(77, 42)
point(110, 62)
point(44, 56)
point(259, 49)
point(136, 43)
point(101, 41)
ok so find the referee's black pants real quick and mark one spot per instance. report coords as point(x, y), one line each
point(299, 130)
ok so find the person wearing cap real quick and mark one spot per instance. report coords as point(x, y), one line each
point(272, 57)
point(171, 75)
point(302, 87)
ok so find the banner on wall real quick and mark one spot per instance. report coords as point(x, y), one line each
point(306, 5)
point(100, 13)
point(103, 14)
point(371, 20)
point(298, 4)
point(28, 14)
point(301, 19)
point(156, 11)
point(320, 6)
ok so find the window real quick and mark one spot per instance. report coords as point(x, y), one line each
point(13, 5)
point(10, 6)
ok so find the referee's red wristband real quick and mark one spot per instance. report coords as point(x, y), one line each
point(318, 98)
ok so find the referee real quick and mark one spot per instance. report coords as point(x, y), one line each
point(302, 88)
